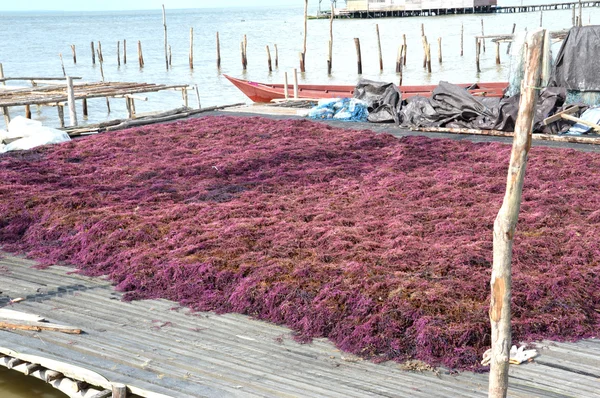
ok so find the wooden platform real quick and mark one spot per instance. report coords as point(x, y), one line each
point(155, 347)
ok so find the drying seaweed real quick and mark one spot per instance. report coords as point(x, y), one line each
point(382, 245)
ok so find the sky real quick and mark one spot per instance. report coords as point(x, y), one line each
point(111, 5)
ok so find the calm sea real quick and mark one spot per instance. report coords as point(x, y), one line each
point(31, 44)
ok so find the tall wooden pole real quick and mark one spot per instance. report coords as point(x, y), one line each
point(118, 53)
point(440, 50)
point(404, 44)
point(379, 48)
point(62, 64)
point(218, 52)
point(296, 83)
point(477, 52)
point(100, 55)
point(74, 53)
point(482, 34)
point(140, 54)
point(71, 101)
point(93, 53)
point(510, 42)
point(270, 65)
point(164, 14)
point(124, 51)
point(191, 57)
point(303, 56)
point(330, 55)
point(2, 74)
point(424, 42)
point(358, 55)
point(462, 37)
point(276, 56)
point(506, 222)
point(580, 9)
point(497, 53)
point(285, 86)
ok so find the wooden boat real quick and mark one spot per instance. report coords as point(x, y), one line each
point(261, 92)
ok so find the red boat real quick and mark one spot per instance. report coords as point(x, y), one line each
point(261, 92)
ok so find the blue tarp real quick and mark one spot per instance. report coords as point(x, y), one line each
point(347, 109)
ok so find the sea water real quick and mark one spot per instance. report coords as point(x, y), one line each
point(31, 42)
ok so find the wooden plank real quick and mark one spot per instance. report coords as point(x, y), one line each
point(18, 315)
point(594, 126)
point(558, 116)
point(38, 326)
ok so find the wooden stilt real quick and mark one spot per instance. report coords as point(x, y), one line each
point(358, 55)
point(379, 48)
point(428, 58)
point(191, 56)
point(482, 34)
point(276, 56)
point(303, 57)
point(100, 55)
point(118, 53)
point(295, 83)
point(245, 51)
point(164, 15)
point(330, 55)
point(85, 107)
point(61, 115)
point(140, 54)
point(74, 53)
point(506, 223)
point(477, 52)
point(71, 101)
point(497, 53)
point(440, 50)
point(93, 53)
point(269, 59)
point(285, 86)
point(404, 44)
point(170, 57)
point(510, 42)
point(27, 111)
point(243, 56)
point(424, 42)
point(62, 64)
point(462, 37)
point(124, 52)
point(219, 51)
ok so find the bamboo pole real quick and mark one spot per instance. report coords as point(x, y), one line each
point(404, 44)
point(62, 64)
point(191, 57)
point(71, 101)
point(93, 53)
point(276, 55)
point(506, 223)
point(379, 48)
point(164, 15)
point(510, 42)
point(462, 37)
point(140, 54)
point(269, 59)
point(440, 50)
point(118, 53)
point(124, 51)
point(218, 52)
point(74, 53)
point(303, 57)
point(295, 83)
point(358, 55)
point(482, 34)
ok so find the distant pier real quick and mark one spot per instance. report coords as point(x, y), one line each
point(389, 12)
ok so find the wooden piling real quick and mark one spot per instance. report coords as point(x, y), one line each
point(170, 56)
point(482, 34)
point(245, 50)
point(477, 52)
point(510, 42)
point(330, 49)
point(164, 15)
point(295, 83)
point(506, 223)
point(358, 55)
point(580, 10)
point(6, 114)
point(424, 43)
point(379, 48)
point(191, 56)
point(573, 17)
point(440, 50)
point(404, 44)
point(61, 115)
point(197, 96)
point(303, 57)
point(140, 54)
point(497, 53)
point(62, 64)
point(28, 111)
point(74, 53)
point(276, 55)
point(71, 101)
point(119, 390)
point(124, 52)
point(2, 74)
point(243, 55)
point(462, 37)
point(269, 59)
point(85, 107)
point(422, 29)
point(101, 65)
point(93, 53)
point(428, 58)
point(399, 58)
point(100, 55)
point(541, 17)
point(118, 53)
point(285, 86)
point(218, 52)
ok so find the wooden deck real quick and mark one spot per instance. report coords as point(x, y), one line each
point(156, 347)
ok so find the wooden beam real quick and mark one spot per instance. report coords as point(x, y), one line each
point(38, 326)
point(558, 115)
point(71, 100)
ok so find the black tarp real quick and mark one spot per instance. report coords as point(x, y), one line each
point(383, 100)
point(577, 65)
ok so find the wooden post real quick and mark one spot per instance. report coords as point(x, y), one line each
point(440, 50)
point(245, 50)
point(62, 64)
point(243, 56)
point(118, 53)
point(424, 42)
point(330, 55)
point(422, 29)
point(379, 48)
point(580, 9)
point(124, 52)
point(404, 44)
point(93, 53)
point(399, 58)
point(285, 86)
point(477, 51)
point(358, 56)
point(119, 390)
point(541, 17)
point(61, 115)
point(269, 59)
point(129, 108)
point(170, 56)
point(303, 57)
point(218, 52)
point(573, 17)
point(506, 222)
point(191, 57)
point(164, 14)
point(140, 55)
point(276, 56)
point(428, 58)
point(482, 34)
point(71, 101)
point(497, 53)
point(2, 74)
point(6, 116)
point(510, 42)
point(100, 56)
point(74, 53)
point(101, 67)
point(28, 111)
point(85, 107)
point(295, 83)
point(197, 96)
point(462, 37)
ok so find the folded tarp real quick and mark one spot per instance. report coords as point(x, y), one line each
point(383, 100)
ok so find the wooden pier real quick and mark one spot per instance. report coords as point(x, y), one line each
point(397, 12)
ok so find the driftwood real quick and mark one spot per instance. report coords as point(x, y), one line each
point(37, 326)
point(506, 223)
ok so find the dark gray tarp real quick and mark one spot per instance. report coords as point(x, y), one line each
point(577, 65)
point(383, 100)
